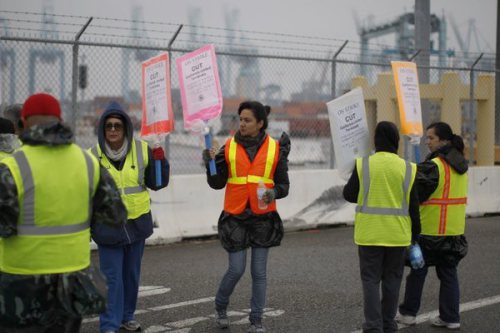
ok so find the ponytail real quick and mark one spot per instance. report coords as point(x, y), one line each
point(444, 132)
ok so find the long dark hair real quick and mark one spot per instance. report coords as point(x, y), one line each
point(444, 132)
point(260, 111)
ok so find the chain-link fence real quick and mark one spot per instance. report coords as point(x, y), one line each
point(86, 76)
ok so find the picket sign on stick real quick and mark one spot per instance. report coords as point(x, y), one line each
point(349, 130)
point(201, 94)
point(410, 110)
point(157, 115)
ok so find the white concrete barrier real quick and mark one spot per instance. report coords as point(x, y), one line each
point(188, 207)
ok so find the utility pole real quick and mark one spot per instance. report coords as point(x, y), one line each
point(423, 43)
point(497, 80)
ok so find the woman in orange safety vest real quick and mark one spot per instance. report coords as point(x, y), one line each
point(442, 186)
point(249, 162)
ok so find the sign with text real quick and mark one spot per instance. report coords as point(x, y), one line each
point(349, 129)
point(157, 115)
point(408, 93)
point(199, 83)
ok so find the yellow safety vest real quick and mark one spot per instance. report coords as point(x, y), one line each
point(4, 155)
point(55, 187)
point(382, 214)
point(443, 214)
point(130, 179)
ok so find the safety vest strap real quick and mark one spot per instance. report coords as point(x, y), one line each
point(446, 201)
point(28, 225)
point(52, 230)
point(134, 189)
point(271, 152)
point(403, 211)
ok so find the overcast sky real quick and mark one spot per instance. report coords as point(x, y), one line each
point(320, 18)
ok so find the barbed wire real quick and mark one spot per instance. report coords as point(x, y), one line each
point(321, 44)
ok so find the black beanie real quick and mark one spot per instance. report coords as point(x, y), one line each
point(386, 137)
point(6, 126)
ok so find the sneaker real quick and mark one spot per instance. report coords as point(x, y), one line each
point(406, 319)
point(256, 327)
point(438, 322)
point(221, 319)
point(131, 325)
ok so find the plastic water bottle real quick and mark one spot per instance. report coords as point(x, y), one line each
point(261, 189)
point(415, 256)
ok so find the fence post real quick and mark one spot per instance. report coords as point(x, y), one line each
point(74, 77)
point(450, 106)
point(169, 47)
point(486, 121)
point(472, 127)
point(334, 94)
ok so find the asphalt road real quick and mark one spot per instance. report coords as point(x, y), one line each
point(313, 285)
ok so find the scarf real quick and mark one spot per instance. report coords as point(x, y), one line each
point(116, 155)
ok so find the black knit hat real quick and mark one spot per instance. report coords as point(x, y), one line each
point(6, 126)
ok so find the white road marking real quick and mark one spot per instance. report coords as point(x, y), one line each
point(162, 307)
point(145, 291)
point(472, 305)
point(184, 326)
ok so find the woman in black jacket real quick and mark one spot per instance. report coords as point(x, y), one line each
point(442, 190)
point(247, 159)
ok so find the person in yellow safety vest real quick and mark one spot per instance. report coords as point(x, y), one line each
point(51, 193)
point(8, 139)
point(132, 164)
point(249, 158)
point(442, 188)
point(386, 222)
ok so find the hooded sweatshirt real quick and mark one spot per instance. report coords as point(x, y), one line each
point(141, 227)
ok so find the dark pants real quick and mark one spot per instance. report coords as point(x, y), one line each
point(449, 293)
point(380, 265)
point(69, 326)
point(122, 267)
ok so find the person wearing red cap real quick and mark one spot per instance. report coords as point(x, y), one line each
point(131, 163)
point(51, 193)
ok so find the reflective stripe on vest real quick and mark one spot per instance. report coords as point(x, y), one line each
point(244, 175)
point(403, 211)
point(140, 165)
point(266, 177)
point(28, 226)
point(130, 179)
point(443, 200)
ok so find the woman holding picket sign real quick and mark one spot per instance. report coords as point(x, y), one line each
point(249, 162)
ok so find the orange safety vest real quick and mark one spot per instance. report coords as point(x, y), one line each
point(446, 204)
point(244, 175)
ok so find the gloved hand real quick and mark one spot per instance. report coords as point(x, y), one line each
point(158, 153)
point(206, 156)
point(269, 195)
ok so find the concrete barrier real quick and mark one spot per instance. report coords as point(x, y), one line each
point(188, 207)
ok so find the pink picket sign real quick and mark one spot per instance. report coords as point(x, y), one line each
point(157, 114)
point(199, 84)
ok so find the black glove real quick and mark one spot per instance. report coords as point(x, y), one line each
point(206, 156)
point(269, 196)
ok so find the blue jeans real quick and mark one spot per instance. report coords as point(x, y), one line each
point(122, 267)
point(449, 293)
point(237, 264)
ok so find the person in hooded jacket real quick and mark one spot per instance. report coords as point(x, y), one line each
point(131, 163)
point(442, 190)
point(386, 222)
point(248, 158)
point(8, 138)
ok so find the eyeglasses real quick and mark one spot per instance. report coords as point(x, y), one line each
point(115, 126)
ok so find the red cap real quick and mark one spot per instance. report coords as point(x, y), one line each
point(41, 105)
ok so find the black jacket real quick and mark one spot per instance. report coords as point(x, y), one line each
point(440, 250)
point(237, 232)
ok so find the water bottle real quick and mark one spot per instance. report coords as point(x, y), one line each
point(261, 189)
point(415, 256)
